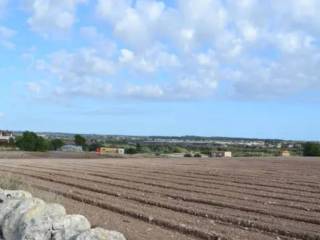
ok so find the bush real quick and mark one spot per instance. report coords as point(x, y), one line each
point(188, 155)
point(311, 149)
point(198, 155)
point(10, 182)
point(30, 141)
point(131, 151)
point(178, 150)
point(55, 144)
point(94, 146)
point(79, 140)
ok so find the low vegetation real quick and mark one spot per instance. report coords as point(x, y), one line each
point(30, 141)
point(311, 149)
point(11, 182)
point(80, 140)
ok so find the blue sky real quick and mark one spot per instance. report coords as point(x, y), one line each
point(245, 68)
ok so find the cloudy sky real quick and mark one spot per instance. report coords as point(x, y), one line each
point(246, 68)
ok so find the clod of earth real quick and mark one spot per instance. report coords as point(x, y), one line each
point(24, 217)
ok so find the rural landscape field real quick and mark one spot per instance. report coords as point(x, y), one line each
point(163, 198)
point(159, 119)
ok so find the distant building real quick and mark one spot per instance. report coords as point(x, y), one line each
point(107, 150)
point(220, 154)
point(71, 148)
point(5, 136)
point(285, 153)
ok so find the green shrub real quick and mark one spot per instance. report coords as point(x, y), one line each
point(55, 144)
point(79, 140)
point(131, 151)
point(30, 141)
point(188, 155)
point(311, 149)
point(198, 155)
point(10, 182)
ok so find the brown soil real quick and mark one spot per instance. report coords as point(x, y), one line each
point(263, 198)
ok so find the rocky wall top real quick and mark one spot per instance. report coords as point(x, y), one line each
point(23, 217)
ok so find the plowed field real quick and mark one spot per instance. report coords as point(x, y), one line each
point(263, 198)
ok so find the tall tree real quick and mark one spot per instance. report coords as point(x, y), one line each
point(79, 140)
point(311, 149)
point(56, 144)
point(30, 141)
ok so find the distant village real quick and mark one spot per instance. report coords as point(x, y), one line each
point(186, 146)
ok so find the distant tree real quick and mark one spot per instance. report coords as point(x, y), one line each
point(139, 148)
point(311, 149)
point(55, 144)
point(178, 149)
point(93, 146)
point(42, 145)
point(30, 141)
point(12, 142)
point(131, 150)
point(79, 140)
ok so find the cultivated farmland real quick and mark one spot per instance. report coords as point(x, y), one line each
point(184, 198)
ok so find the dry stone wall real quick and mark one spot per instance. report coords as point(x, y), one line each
point(23, 217)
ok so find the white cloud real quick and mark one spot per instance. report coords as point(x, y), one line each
point(6, 35)
point(132, 29)
point(293, 42)
point(189, 49)
point(34, 87)
point(87, 87)
point(126, 56)
point(83, 73)
point(52, 16)
point(249, 31)
point(135, 24)
point(87, 62)
point(150, 10)
point(207, 17)
point(112, 10)
point(146, 91)
point(277, 79)
point(149, 61)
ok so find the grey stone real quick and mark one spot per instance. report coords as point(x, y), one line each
point(100, 234)
point(36, 224)
point(16, 194)
point(6, 207)
point(8, 194)
point(11, 220)
point(69, 227)
point(25, 218)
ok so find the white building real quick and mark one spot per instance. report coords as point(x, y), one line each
point(220, 154)
point(5, 136)
point(71, 148)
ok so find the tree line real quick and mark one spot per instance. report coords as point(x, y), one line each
point(311, 149)
point(30, 141)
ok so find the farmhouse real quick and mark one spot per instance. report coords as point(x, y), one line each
point(107, 150)
point(5, 136)
point(71, 148)
point(285, 153)
point(220, 154)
